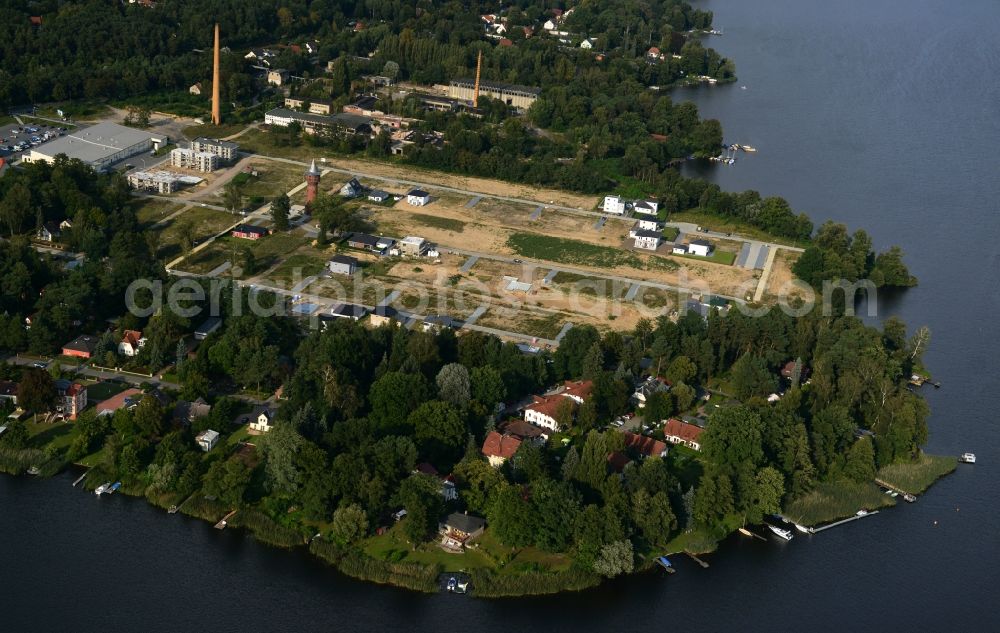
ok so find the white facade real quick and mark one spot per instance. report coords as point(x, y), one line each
point(225, 150)
point(418, 198)
point(648, 242)
point(649, 225)
point(679, 249)
point(647, 207)
point(191, 159)
point(614, 205)
point(587, 44)
point(699, 248)
point(412, 245)
point(540, 419)
point(262, 423)
point(207, 440)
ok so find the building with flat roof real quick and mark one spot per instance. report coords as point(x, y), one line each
point(193, 159)
point(225, 150)
point(314, 123)
point(160, 181)
point(518, 97)
point(99, 146)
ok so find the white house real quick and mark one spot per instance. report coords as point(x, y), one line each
point(648, 240)
point(614, 205)
point(587, 44)
point(650, 386)
point(207, 440)
point(550, 25)
point(262, 421)
point(645, 225)
point(418, 197)
point(132, 341)
point(647, 207)
point(679, 249)
point(700, 248)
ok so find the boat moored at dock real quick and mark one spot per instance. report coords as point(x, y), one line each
point(781, 532)
point(102, 488)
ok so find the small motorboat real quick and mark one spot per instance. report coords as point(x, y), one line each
point(861, 513)
point(802, 528)
point(114, 487)
point(968, 458)
point(102, 488)
point(462, 587)
point(452, 584)
point(785, 534)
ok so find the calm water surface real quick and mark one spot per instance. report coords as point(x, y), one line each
point(881, 114)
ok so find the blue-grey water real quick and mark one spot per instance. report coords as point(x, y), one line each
point(882, 114)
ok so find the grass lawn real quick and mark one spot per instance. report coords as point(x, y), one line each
point(206, 223)
point(918, 476)
point(103, 390)
point(717, 257)
point(670, 233)
point(307, 264)
point(568, 251)
point(836, 500)
point(447, 224)
point(695, 540)
point(209, 258)
point(272, 180)
point(393, 546)
point(150, 211)
point(270, 249)
point(57, 435)
point(729, 225)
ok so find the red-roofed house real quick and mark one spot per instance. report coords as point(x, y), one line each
point(618, 461)
point(80, 347)
point(499, 448)
point(680, 432)
point(545, 410)
point(578, 390)
point(131, 341)
point(72, 396)
point(114, 403)
point(654, 54)
point(645, 445)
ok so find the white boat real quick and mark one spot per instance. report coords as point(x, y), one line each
point(968, 458)
point(102, 488)
point(785, 534)
point(861, 513)
point(802, 528)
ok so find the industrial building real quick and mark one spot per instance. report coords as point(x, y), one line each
point(225, 150)
point(314, 123)
point(518, 97)
point(99, 146)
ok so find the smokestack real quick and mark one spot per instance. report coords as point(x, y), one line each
point(216, 80)
point(479, 68)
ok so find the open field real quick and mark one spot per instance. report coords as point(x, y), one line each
point(259, 141)
point(728, 225)
point(718, 256)
point(273, 179)
point(150, 210)
point(781, 274)
point(204, 223)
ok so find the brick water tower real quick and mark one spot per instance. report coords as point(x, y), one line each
point(312, 182)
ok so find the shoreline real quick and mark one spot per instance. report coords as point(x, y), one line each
point(485, 583)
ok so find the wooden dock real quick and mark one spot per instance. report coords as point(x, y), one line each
point(697, 560)
point(909, 498)
point(80, 478)
point(221, 525)
point(842, 521)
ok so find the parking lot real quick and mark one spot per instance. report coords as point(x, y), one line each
point(17, 139)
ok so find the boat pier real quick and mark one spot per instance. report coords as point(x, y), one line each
point(697, 560)
point(909, 498)
point(221, 525)
point(81, 478)
point(817, 530)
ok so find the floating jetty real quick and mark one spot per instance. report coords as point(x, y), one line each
point(697, 560)
point(221, 525)
point(665, 563)
point(860, 515)
point(80, 478)
point(746, 532)
point(909, 498)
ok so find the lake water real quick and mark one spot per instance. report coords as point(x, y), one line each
point(883, 115)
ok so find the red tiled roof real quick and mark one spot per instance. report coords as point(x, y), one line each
point(497, 445)
point(116, 402)
point(643, 444)
point(683, 430)
point(548, 406)
point(579, 388)
point(505, 42)
point(132, 337)
point(618, 461)
point(74, 389)
point(427, 469)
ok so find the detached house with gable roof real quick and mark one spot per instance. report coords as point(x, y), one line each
point(132, 341)
point(499, 448)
